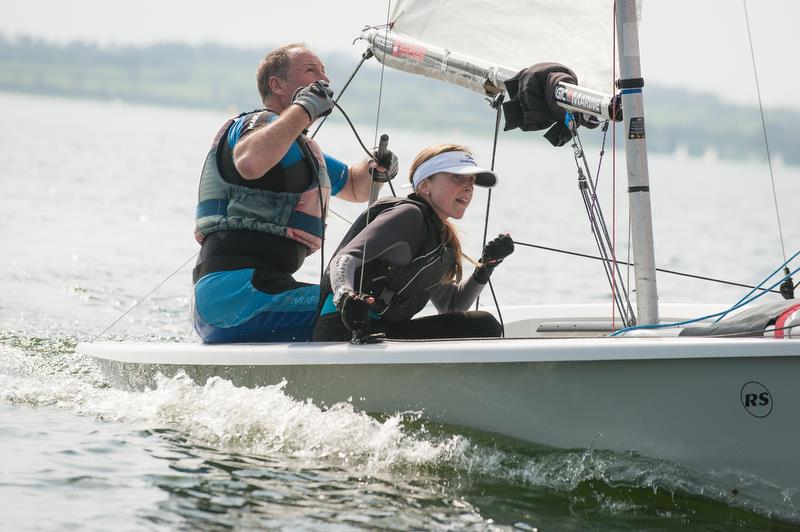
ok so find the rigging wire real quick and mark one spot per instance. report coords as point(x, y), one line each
point(375, 143)
point(613, 162)
point(614, 165)
point(662, 270)
point(497, 104)
point(148, 294)
point(340, 216)
point(764, 126)
point(719, 315)
point(366, 55)
point(784, 265)
point(597, 223)
point(380, 86)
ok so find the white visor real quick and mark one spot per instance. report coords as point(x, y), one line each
point(454, 162)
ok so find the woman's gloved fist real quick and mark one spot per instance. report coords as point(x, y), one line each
point(493, 254)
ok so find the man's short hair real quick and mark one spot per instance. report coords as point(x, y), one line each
point(276, 63)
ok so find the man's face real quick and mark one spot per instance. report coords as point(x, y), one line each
point(304, 69)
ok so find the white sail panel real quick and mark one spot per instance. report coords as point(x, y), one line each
point(518, 33)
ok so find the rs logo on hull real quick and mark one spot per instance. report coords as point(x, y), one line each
point(756, 399)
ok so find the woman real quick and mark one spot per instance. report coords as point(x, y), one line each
point(410, 254)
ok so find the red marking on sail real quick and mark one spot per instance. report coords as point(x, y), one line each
point(411, 51)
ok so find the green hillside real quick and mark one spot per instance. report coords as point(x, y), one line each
point(221, 77)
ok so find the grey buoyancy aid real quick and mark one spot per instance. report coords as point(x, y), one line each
point(224, 206)
point(401, 291)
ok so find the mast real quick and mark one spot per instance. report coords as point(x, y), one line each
point(631, 84)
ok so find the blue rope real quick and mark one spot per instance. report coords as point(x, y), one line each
point(764, 281)
point(742, 302)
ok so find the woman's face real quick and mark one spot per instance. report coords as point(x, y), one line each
point(448, 194)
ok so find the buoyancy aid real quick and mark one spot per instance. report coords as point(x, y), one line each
point(224, 206)
point(400, 292)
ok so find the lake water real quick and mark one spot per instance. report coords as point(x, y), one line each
point(98, 202)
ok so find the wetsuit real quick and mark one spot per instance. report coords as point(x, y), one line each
point(403, 269)
point(243, 285)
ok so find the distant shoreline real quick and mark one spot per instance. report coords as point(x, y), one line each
point(217, 77)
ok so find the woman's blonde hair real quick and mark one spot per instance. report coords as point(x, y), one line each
point(449, 233)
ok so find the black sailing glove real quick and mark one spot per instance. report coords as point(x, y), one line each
point(387, 161)
point(316, 99)
point(354, 308)
point(493, 254)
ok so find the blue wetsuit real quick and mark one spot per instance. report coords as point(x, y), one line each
point(244, 290)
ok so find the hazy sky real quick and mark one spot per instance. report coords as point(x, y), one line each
point(687, 43)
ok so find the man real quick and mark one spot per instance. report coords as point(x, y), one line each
point(263, 198)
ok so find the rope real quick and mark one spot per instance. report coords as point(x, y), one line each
point(497, 306)
point(662, 270)
point(614, 272)
point(340, 216)
point(159, 285)
point(486, 223)
point(366, 55)
point(718, 315)
point(380, 87)
point(375, 142)
point(784, 265)
point(614, 163)
point(358, 138)
point(496, 104)
point(598, 224)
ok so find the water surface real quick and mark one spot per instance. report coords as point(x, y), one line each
point(98, 202)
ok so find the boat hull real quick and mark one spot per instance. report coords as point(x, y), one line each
point(720, 405)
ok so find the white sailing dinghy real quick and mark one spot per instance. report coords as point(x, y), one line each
point(724, 398)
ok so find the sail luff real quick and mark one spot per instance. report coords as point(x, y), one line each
point(631, 84)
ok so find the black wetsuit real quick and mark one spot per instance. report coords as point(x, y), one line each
point(399, 234)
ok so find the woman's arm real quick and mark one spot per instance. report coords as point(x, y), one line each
point(455, 297)
point(393, 236)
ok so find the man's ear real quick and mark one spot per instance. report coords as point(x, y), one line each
point(276, 85)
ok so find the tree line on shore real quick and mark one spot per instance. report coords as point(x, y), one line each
point(215, 76)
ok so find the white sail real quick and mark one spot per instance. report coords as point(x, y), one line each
point(515, 34)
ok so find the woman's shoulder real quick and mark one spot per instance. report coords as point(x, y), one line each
point(404, 212)
point(403, 221)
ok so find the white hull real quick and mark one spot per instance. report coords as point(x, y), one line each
point(682, 399)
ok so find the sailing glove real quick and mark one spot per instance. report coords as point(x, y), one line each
point(316, 99)
point(386, 160)
point(493, 254)
point(354, 308)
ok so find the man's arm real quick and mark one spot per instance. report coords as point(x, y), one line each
point(262, 149)
point(359, 183)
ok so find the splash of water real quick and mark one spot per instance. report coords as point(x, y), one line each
point(267, 422)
